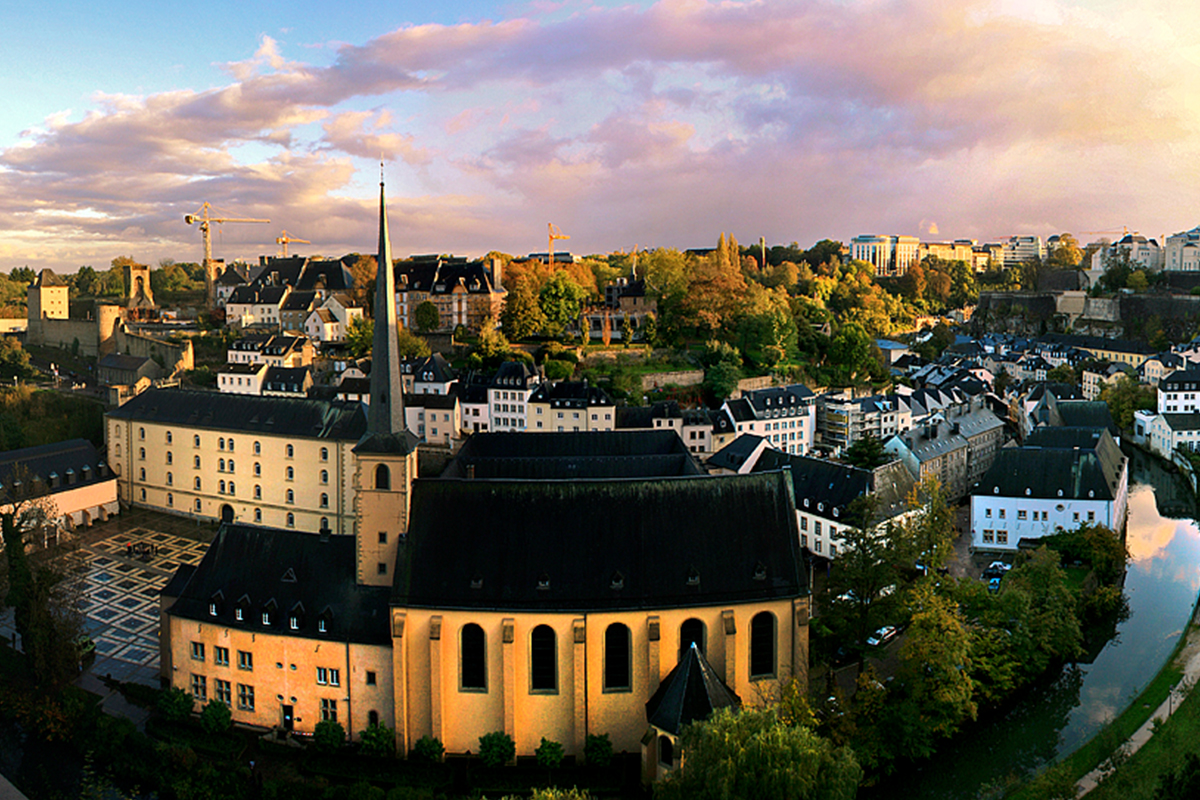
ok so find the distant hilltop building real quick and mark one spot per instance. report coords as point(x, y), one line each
point(467, 293)
point(1142, 251)
point(890, 255)
point(1018, 249)
point(1183, 251)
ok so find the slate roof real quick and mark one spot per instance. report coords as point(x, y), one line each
point(426, 400)
point(440, 275)
point(1087, 414)
point(691, 691)
point(299, 301)
point(1180, 380)
point(822, 486)
point(570, 455)
point(733, 455)
point(1183, 422)
point(297, 572)
point(74, 457)
point(1063, 437)
point(570, 394)
point(287, 416)
point(286, 379)
point(49, 277)
point(600, 544)
point(1041, 472)
point(119, 361)
point(430, 369)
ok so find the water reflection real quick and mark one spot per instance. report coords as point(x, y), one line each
point(1053, 720)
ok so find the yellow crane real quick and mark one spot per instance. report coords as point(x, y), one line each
point(555, 233)
point(202, 217)
point(284, 240)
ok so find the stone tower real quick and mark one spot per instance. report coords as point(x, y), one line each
point(387, 452)
point(138, 294)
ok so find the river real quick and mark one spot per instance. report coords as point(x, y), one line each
point(1052, 721)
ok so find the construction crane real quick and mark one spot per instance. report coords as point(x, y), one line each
point(555, 233)
point(1124, 232)
point(202, 217)
point(284, 240)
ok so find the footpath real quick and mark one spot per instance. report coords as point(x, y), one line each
point(1190, 655)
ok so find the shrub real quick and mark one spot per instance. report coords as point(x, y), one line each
point(174, 704)
point(328, 736)
point(554, 793)
point(409, 793)
point(549, 753)
point(215, 717)
point(428, 749)
point(597, 750)
point(497, 748)
point(557, 370)
point(377, 740)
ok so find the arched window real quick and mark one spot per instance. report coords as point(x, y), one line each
point(170, 479)
point(372, 719)
point(231, 445)
point(196, 462)
point(473, 658)
point(291, 520)
point(170, 500)
point(324, 500)
point(143, 495)
point(257, 492)
point(258, 515)
point(220, 465)
point(118, 451)
point(543, 661)
point(324, 453)
point(762, 645)
point(197, 483)
point(196, 440)
point(291, 451)
point(258, 448)
point(231, 489)
point(170, 458)
point(324, 523)
point(197, 505)
point(221, 487)
point(691, 632)
point(221, 444)
point(229, 465)
point(168, 437)
point(666, 751)
point(257, 469)
point(291, 473)
point(142, 474)
point(291, 496)
point(617, 667)
point(383, 477)
point(141, 433)
point(141, 454)
point(324, 476)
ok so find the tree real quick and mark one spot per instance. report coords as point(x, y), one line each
point(867, 452)
point(852, 354)
point(215, 717)
point(721, 379)
point(497, 748)
point(1066, 254)
point(1053, 627)
point(329, 736)
point(427, 317)
point(560, 300)
point(492, 344)
point(1063, 373)
point(935, 662)
point(174, 704)
point(626, 330)
point(360, 336)
point(1181, 784)
point(1127, 396)
point(863, 570)
point(650, 330)
point(927, 536)
point(377, 740)
point(22, 275)
point(363, 272)
point(752, 753)
point(1137, 281)
point(411, 346)
point(521, 317)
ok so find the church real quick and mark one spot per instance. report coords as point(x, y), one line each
point(547, 588)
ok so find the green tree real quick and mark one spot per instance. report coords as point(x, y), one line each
point(626, 330)
point(360, 337)
point(597, 750)
point(410, 346)
point(427, 317)
point(867, 452)
point(492, 345)
point(650, 330)
point(22, 275)
point(1053, 627)
point(329, 736)
point(1127, 396)
point(378, 741)
point(863, 570)
point(1182, 783)
point(935, 662)
point(521, 317)
point(1063, 373)
point(215, 717)
point(1137, 281)
point(174, 704)
point(560, 300)
point(753, 754)
point(852, 354)
point(549, 753)
point(927, 536)
point(497, 749)
point(721, 379)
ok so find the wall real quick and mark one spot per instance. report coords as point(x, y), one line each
point(689, 377)
point(63, 333)
point(175, 357)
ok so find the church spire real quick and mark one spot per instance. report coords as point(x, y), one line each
point(386, 412)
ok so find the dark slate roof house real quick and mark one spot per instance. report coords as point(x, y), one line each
point(560, 456)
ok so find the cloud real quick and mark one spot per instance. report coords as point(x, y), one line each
point(662, 125)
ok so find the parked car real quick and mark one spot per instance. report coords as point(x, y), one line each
point(994, 584)
point(882, 636)
point(1000, 565)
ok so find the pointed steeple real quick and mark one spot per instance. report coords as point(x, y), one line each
point(386, 412)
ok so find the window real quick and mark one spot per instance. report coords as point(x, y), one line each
point(1091, 516)
point(328, 710)
point(232, 490)
point(223, 692)
point(257, 492)
point(257, 512)
point(324, 500)
point(196, 462)
point(291, 496)
point(381, 568)
point(229, 464)
point(691, 632)
point(196, 440)
point(383, 478)
point(170, 479)
point(762, 645)
point(142, 474)
point(220, 444)
point(170, 500)
point(988, 513)
point(291, 451)
point(1002, 513)
point(383, 537)
point(245, 697)
point(257, 469)
point(324, 523)
point(199, 687)
point(291, 520)
point(335, 677)
point(170, 458)
point(198, 651)
point(324, 476)
point(141, 433)
point(196, 483)
point(989, 536)
point(168, 437)
point(322, 676)
point(141, 454)
point(543, 666)
point(291, 473)
point(220, 486)
point(245, 659)
point(617, 666)
point(666, 751)
point(221, 656)
point(370, 678)
point(324, 453)
point(472, 659)
point(231, 448)
point(1021, 514)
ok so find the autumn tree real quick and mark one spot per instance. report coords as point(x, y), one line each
point(927, 535)
point(1127, 396)
point(360, 336)
point(521, 317)
point(363, 271)
point(935, 663)
point(1066, 254)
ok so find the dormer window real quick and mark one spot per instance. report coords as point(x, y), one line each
point(294, 622)
point(693, 577)
point(212, 609)
point(618, 581)
point(477, 582)
point(266, 618)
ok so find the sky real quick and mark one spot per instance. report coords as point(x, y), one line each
point(640, 124)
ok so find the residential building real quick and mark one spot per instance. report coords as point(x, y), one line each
point(70, 480)
point(890, 255)
point(1143, 252)
point(464, 293)
point(1062, 478)
point(255, 306)
point(1157, 367)
point(958, 250)
point(115, 369)
point(785, 416)
point(1182, 251)
point(842, 420)
point(697, 427)
point(1118, 351)
point(434, 418)
point(1178, 392)
point(936, 449)
point(429, 375)
point(1019, 249)
point(508, 396)
point(1094, 381)
point(295, 311)
point(570, 406)
point(276, 351)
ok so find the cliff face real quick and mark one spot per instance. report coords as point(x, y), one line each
point(1132, 316)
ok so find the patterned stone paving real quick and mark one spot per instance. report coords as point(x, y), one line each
point(120, 598)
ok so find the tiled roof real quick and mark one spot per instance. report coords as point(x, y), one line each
point(568, 455)
point(691, 692)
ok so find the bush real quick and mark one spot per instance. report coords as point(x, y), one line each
point(329, 736)
point(597, 750)
point(549, 753)
point(174, 704)
point(497, 748)
point(409, 793)
point(365, 791)
point(377, 740)
point(554, 793)
point(428, 749)
point(557, 370)
point(215, 717)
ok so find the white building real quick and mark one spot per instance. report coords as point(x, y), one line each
point(1142, 251)
point(785, 416)
point(1020, 248)
point(508, 396)
point(1182, 252)
point(1062, 478)
point(890, 255)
